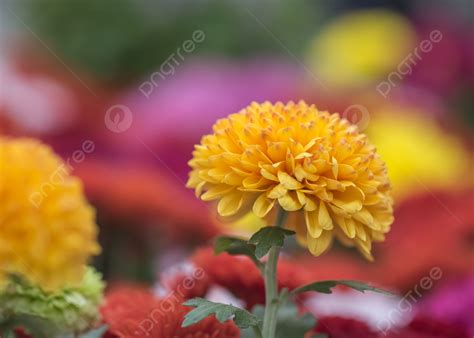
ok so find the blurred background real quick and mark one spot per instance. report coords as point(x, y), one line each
point(123, 89)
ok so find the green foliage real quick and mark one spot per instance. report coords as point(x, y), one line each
point(267, 237)
point(327, 286)
point(41, 328)
point(55, 314)
point(120, 41)
point(204, 308)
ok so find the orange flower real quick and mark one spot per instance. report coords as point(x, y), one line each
point(47, 228)
point(308, 162)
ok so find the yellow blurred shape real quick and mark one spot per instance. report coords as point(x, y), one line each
point(419, 154)
point(361, 47)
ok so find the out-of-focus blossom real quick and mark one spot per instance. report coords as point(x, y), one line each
point(421, 327)
point(35, 103)
point(361, 47)
point(452, 303)
point(310, 163)
point(442, 68)
point(43, 99)
point(447, 227)
point(425, 327)
point(47, 228)
point(147, 196)
point(419, 154)
point(138, 313)
point(183, 107)
point(70, 309)
point(443, 221)
point(339, 327)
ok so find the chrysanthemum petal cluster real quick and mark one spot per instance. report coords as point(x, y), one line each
point(70, 309)
point(47, 228)
point(308, 162)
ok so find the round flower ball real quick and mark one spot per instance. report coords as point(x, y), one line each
point(311, 163)
point(47, 228)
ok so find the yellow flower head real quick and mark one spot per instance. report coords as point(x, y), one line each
point(312, 163)
point(361, 47)
point(47, 228)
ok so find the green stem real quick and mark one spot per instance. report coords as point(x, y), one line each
point(271, 285)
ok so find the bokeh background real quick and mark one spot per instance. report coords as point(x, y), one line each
point(123, 89)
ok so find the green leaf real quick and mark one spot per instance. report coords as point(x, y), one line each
point(223, 312)
point(234, 246)
point(267, 237)
point(326, 287)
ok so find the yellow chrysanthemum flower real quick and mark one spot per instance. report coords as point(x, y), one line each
point(420, 155)
point(361, 47)
point(47, 228)
point(311, 163)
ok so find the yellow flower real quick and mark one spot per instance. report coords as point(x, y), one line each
point(311, 163)
point(418, 152)
point(361, 47)
point(47, 228)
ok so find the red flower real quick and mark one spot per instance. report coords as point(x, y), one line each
point(443, 221)
point(144, 195)
point(137, 313)
point(424, 327)
point(337, 327)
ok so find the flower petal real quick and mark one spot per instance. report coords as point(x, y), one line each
point(312, 224)
point(289, 182)
point(277, 192)
point(263, 205)
point(348, 226)
point(324, 218)
point(289, 202)
point(230, 204)
point(216, 192)
point(318, 245)
point(351, 200)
